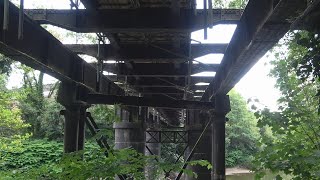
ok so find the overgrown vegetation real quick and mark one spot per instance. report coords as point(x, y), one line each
point(295, 144)
point(12, 126)
point(241, 133)
point(43, 159)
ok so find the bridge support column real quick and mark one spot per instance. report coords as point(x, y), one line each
point(222, 105)
point(203, 149)
point(71, 129)
point(81, 128)
point(129, 134)
point(69, 96)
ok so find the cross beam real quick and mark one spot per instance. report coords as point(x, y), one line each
point(47, 54)
point(193, 87)
point(132, 20)
point(150, 81)
point(144, 52)
point(157, 69)
point(148, 102)
point(167, 136)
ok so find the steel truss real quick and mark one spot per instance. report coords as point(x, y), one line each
point(167, 136)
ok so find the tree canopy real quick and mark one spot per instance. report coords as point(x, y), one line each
point(241, 132)
point(295, 148)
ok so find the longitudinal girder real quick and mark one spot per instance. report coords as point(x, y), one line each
point(151, 44)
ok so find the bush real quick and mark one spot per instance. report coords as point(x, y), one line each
point(36, 153)
point(32, 153)
point(41, 159)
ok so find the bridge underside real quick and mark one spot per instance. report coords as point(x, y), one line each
point(153, 69)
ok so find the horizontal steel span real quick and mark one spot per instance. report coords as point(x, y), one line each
point(132, 20)
point(147, 53)
point(40, 50)
point(158, 69)
point(148, 102)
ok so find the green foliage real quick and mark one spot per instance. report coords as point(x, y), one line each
point(41, 112)
point(31, 99)
point(12, 127)
point(41, 159)
point(36, 153)
point(236, 4)
point(170, 152)
point(104, 114)
point(241, 133)
point(32, 154)
point(51, 120)
point(309, 65)
point(294, 148)
point(240, 4)
point(5, 65)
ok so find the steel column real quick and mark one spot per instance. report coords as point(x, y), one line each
point(71, 128)
point(219, 171)
point(81, 133)
point(219, 119)
point(72, 98)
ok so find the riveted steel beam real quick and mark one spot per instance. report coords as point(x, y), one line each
point(40, 50)
point(148, 102)
point(146, 53)
point(131, 20)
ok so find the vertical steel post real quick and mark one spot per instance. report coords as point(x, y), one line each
point(6, 15)
point(222, 104)
point(81, 127)
point(205, 19)
point(99, 73)
point(21, 20)
point(71, 129)
point(69, 95)
point(219, 148)
point(210, 13)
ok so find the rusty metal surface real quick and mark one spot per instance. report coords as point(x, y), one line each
point(261, 25)
point(40, 50)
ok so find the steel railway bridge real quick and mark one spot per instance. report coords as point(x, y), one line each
point(155, 60)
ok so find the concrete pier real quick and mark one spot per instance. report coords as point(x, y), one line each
point(129, 134)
